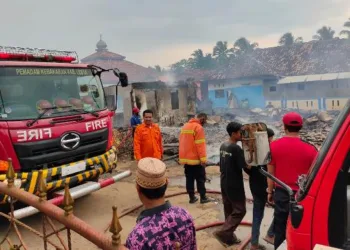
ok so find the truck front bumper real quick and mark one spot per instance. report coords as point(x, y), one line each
point(73, 173)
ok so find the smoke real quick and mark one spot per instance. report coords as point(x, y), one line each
point(169, 78)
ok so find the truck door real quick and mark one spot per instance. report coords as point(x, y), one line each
point(322, 198)
point(331, 209)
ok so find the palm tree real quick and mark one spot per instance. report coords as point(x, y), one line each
point(179, 66)
point(325, 33)
point(196, 62)
point(242, 46)
point(221, 52)
point(346, 32)
point(288, 39)
point(200, 61)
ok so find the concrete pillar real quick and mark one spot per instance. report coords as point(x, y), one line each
point(183, 102)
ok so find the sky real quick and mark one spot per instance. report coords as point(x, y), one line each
point(162, 32)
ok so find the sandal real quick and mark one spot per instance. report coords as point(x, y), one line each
point(270, 240)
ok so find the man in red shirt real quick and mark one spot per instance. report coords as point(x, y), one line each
point(291, 157)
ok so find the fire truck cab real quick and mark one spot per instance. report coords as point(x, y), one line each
point(320, 213)
point(53, 117)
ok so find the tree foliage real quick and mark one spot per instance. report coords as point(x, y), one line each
point(324, 33)
point(243, 46)
point(224, 55)
point(346, 31)
point(288, 39)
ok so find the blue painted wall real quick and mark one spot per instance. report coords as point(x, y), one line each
point(254, 95)
point(218, 102)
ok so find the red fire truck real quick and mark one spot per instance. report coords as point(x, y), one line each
point(320, 211)
point(54, 118)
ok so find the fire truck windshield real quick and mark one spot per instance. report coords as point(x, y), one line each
point(26, 92)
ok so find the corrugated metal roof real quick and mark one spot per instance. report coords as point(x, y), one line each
point(292, 79)
point(328, 77)
point(344, 75)
point(312, 78)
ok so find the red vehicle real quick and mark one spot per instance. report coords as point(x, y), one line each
point(53, 117)
point(320, 211)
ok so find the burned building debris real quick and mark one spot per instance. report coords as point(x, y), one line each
point(171, 103)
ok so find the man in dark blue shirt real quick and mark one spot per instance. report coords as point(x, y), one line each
point(135, 119)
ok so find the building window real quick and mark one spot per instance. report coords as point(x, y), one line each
point(219, 93)
point(332, 103)
point(307, 103)
point(338, 103)
point(175, 99)
point(301, 86)
point(273, 88)
point(293, 104)
point(312, 103)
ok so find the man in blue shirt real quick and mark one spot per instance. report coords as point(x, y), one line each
point(135, 120)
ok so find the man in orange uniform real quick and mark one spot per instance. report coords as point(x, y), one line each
point(193, 155)
point(148, 138)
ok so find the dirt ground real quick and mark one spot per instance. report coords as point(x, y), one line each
point(96, 209)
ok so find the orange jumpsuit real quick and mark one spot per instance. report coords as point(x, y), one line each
point(148, 142)
point(192, 147)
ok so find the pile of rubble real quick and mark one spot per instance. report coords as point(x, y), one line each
point(317, 126)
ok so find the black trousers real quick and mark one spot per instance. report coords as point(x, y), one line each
point(195, 173)
point(234, 213)
point(281, 199)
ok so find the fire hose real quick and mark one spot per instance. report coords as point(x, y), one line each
point(242, 245)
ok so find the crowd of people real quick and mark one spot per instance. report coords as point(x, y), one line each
point(164, 226)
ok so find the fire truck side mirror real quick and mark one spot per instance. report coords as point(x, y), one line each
point(123, 77)
point(255, 144)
